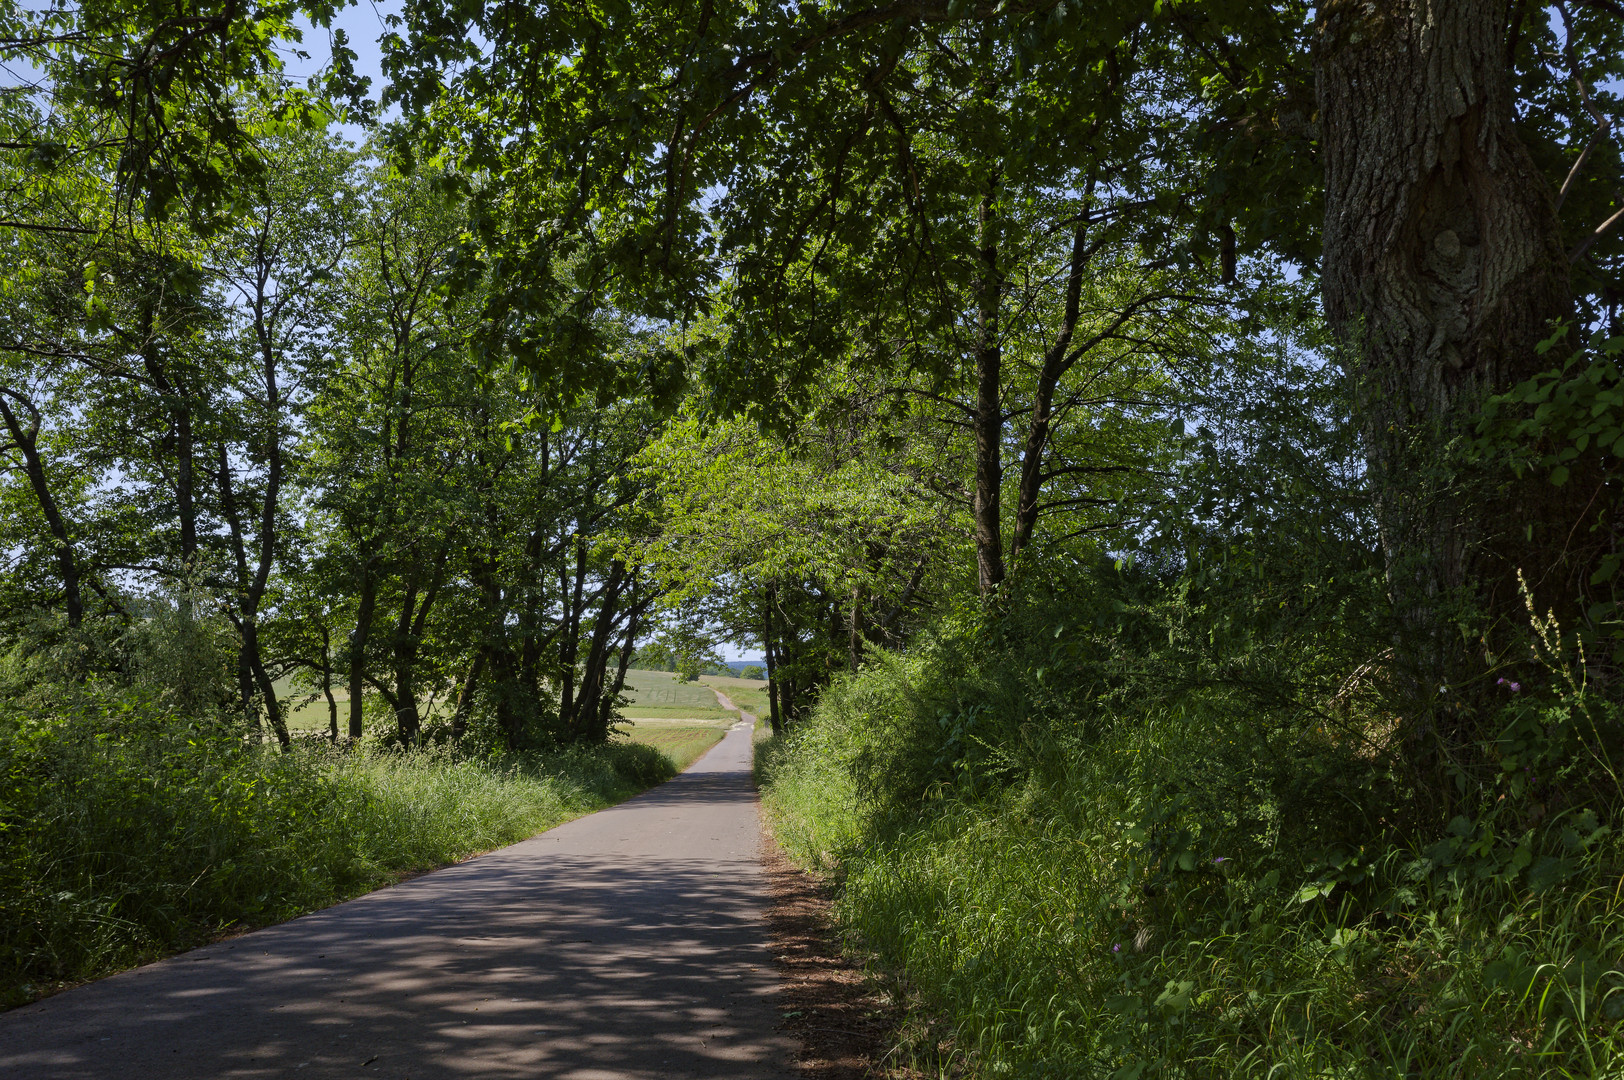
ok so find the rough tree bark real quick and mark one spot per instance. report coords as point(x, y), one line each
point(1443, 268)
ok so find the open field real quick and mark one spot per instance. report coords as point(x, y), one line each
point(310, 715)
point(654, 695)
point(748, 694)
point(658, 694)
point(683, 744)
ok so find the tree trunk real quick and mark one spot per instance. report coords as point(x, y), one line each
point(1443, 267)
point(569, 647)
point(769, 654)
point(358, 647)
point(327, 683)
point(1055, 364)
point(408, 638)
point(251, 589)
point(589, 702)
point(262, 681)
point(989, 408)
point(26, 439)
point(632, 623)
point(180, 412)
point(465, 695)
point(855, 642)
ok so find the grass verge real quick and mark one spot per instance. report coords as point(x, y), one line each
point(1071, 922)
point(127, 834)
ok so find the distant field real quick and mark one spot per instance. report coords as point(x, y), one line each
point(748, 694)
point(311, 715)
point(658, 694)
point(682, 745)
point(654, 695)
point(304, 715)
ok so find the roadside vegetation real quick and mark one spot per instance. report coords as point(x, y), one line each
point(131, 830)
point(1168, 456)
point(1074, 857)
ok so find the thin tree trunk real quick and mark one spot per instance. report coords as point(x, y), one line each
point(250, 590)
point(589, 701)
point(989, 414)
point(465, 695)
point(1443, 267)
point(180, 413)
point(26, 439)
point(632, 624)
point(769, 654)
point(262, 680)
point(409, 630)
point(855, 637)
point(358, 646)
point(1055, 364)
point(327, 682)
point(569, 647)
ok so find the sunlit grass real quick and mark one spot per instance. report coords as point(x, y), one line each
point(682, 744)
point(135, 836)
point(1021, 923)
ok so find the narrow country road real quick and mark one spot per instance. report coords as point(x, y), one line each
point(630, 943)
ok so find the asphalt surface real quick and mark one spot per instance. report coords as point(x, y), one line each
point(627, 944)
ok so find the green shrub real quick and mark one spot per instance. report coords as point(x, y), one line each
point(1129, 834)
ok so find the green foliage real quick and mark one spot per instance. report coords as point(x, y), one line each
point(1160, 815)
point(1141, 867)
point(1567, 425)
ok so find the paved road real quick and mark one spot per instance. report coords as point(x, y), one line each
point(630, 943)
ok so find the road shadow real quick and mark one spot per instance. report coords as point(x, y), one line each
point(627, 944)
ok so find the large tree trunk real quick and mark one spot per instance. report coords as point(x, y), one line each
point(1443, 267)
point(589, 701)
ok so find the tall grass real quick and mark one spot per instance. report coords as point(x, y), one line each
point(1075, 877)
point(127, 832)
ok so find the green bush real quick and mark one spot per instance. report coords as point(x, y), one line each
point(1131, 830)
